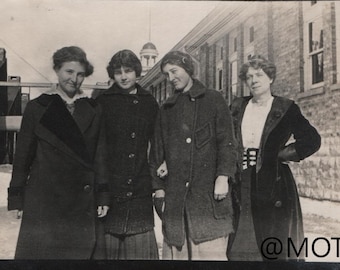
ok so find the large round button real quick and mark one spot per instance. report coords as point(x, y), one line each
point(186, 184)
point(129, 194)
point(87, 188)
point(131, 155)
point(278, 204)
point(188, 140)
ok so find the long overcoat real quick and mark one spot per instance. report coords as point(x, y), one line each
point(129, 123)
point(57, 171)
point(274, 197)
point(194, 135)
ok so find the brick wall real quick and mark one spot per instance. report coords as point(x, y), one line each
point(318, 175)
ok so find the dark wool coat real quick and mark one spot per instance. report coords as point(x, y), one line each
point(275, 202)
point(194, 135)
point(129, 122)
point(58, 167)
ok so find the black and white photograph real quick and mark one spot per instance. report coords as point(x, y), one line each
point(169, 133)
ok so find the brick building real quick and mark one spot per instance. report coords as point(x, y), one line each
point(303, 40)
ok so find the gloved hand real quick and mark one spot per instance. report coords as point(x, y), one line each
point(158, 202)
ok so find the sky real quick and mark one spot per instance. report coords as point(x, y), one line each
point(32, 30)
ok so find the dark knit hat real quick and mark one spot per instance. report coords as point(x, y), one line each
point(179, 58)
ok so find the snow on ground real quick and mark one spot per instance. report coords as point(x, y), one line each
point(321, 224)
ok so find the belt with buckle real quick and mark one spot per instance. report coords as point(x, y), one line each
point(249, 157)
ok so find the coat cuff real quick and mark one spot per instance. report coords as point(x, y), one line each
point(289, 154)
point(158, 184)
point(103, 198)
point(103, 194)
point(15, 198)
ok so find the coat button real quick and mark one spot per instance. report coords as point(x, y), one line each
point(129, 181)
point(278, 204)
point(192, 99)
point(186, 184)
point(129, 194)
point(133, 135)
point(135, 101)
point(87, 188)
point(131, 155)
point(188, 140)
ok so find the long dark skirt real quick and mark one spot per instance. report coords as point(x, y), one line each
point(141, 246)
point(244, 246)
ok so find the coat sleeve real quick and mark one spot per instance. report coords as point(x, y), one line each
point(24, 155)
point(307, 139)
point(226, 142)
point(101, 166)
point(157, 155)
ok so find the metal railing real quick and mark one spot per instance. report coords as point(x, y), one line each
point(12, 123)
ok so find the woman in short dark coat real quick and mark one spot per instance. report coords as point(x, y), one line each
point(59, 176)
point(266, 199)
point(129, 116)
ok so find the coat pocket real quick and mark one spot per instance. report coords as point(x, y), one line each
point(203, 135)
point(222, 209)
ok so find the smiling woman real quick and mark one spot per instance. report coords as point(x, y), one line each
point(59, 172)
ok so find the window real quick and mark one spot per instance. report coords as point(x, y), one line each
point(314, 49)
point(234, 77)
point(235, 44)
point(248, 37)
point(219, 65)
point(220, 79)
point(337, 35)
point(251, 34)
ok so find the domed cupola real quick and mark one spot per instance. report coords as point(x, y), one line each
point(148, 56)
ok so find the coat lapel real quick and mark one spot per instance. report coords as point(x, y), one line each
point(277, 111)
point(58, 127)
point(83, 114)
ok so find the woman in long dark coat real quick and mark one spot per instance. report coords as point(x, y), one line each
point(266, 199)
point(194, 136)
point(58, 169)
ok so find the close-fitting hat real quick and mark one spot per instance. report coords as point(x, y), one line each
point(179, 58)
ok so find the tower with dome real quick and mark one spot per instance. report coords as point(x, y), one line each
point(148, 57)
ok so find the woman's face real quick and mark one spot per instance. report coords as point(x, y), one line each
point(177, 75)
point(70, 77)
point(258, 82)
point(125, 77)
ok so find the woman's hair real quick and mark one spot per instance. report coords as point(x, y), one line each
point(124, 58)
point(179, 58)
point(258, 61)
point(72, 54)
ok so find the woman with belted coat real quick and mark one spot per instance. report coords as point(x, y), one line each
point(59, 177)
point(194, 137)
point(265, 196)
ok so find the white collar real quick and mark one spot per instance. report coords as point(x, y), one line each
point(56, 91)
point(133, 92)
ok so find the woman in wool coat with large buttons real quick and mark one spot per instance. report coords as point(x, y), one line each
point(266, 199)
point(194, 136)
point(59, 173)
point(129, 115)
